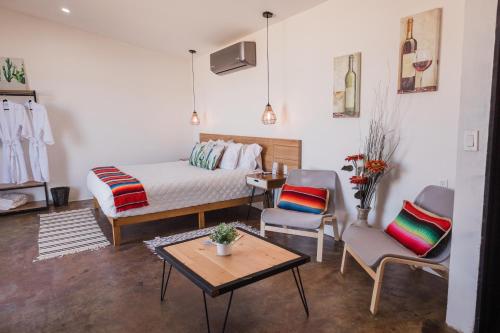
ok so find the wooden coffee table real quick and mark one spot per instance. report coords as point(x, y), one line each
point(253, 258)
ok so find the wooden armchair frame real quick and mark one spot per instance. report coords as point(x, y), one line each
point(317, 233)
point(378, 275)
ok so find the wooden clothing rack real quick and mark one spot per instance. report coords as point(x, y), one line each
point(34, 205)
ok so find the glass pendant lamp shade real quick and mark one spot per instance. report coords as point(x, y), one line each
point(194, 118)
point(268, 117)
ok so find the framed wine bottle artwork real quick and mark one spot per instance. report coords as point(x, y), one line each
point(346, 85)
point(419, 52)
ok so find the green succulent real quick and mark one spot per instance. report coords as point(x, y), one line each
point(224, 234)
point(8, 72)
point(19, 74)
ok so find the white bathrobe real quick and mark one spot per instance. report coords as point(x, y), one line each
point(14, 125)
point(42, 136)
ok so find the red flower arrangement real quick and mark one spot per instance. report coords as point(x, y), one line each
point(354, 157)
point(358, 180)
point(376, 166)
point(372, 163)
point(370, 166)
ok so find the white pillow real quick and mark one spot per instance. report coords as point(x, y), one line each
point(249, 157)
point(259, 163)
point(221, 142)
point(231, 156)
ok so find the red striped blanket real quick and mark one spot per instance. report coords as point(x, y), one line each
point(128, 192)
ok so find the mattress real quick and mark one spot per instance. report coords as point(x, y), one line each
point(173, 185)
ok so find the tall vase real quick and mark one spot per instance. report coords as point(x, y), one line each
point(362, 220)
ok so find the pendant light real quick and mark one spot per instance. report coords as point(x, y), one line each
point(195, 120)
point(268, 117)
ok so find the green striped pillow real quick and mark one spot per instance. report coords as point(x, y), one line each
point(206, 155)
point(196, 153)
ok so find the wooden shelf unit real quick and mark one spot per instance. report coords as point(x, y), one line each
point(34, 205)
point(31, 184)
point(26, 93)
point(31, 206)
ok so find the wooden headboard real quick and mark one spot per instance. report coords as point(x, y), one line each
point(283, 151)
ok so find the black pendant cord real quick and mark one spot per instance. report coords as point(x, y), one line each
point(192, 72)
point(267, 55)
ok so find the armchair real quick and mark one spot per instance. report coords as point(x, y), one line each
point(304, 224)
point(373, 249)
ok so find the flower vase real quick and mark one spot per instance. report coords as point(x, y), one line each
point(362, 220)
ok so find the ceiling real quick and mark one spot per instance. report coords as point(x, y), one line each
point(172, 26)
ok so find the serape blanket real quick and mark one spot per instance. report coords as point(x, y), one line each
point(128, 191)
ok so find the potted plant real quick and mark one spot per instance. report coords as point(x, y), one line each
point(373, 164)
point(223, 235)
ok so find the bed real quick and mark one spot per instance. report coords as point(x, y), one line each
point(177, 188)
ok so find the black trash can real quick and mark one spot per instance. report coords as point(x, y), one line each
point(60, 195)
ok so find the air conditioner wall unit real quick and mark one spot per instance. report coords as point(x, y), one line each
point(233, 58)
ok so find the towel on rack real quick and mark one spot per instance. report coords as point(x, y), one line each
point(14, 126)
point(42, 136)
point(128, 192)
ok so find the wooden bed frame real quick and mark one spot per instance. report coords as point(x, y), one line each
point(283, 151)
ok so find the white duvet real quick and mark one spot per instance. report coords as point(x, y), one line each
point(173, 185)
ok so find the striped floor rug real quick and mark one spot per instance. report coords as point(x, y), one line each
point(69, 232)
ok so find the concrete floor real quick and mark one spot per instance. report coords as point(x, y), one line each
point(117, 289)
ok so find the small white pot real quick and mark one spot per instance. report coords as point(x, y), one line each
point(223, 249)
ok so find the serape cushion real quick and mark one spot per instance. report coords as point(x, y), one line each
point(417, 229)
point(304, 199)
point(128, 192)
point(206, 155)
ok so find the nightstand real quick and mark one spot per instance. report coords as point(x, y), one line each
point(267, 182)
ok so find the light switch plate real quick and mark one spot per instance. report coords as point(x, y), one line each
point(471, 140)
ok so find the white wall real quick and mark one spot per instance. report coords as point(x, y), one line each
point(108, 102)
point(301, 59)
point(479, 39)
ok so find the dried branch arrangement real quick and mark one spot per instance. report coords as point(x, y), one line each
point(374, 162)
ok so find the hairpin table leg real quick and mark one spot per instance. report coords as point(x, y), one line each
point(300, 288)
point(206, 311)
point(227, 311)
point(163, 283)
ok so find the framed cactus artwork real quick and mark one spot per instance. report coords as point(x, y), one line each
point(12, 74)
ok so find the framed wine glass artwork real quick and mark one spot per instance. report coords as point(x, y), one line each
point(419, 52)
point(346, 85)
point(422, 62)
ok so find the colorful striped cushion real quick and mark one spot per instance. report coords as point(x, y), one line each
point(304, 199)
point(417, 229)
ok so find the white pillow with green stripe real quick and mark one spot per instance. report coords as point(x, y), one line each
point(206, 155)
point(196, 152)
